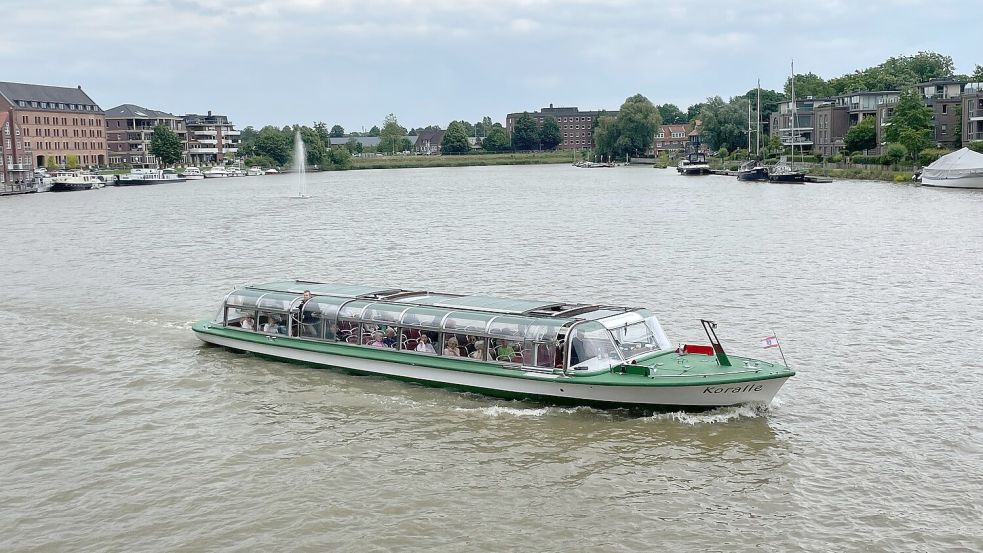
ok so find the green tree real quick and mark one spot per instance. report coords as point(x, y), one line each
point(52, 164)
point(724, 123)
point(247, 140)
point(337, 131)
point(693, 111)
point(270, 142)
point(637, 121)
point(374, 131)
point(549, 134)
point(455, 139)
point(911, 125)
point(895, 153)
point(496, 141)
point(862, 136)
point(390, 135)
point(353, 145)
point(314, 148)
point(339, 158)
point(770, 99)
point(606, 136)
point(977, 76)
point(165, 144)
point(808, 84)
point(72, 161)
point(259, 161)
point(525, 133)
point(671, 114)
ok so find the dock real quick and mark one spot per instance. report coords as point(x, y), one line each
point(808, 178)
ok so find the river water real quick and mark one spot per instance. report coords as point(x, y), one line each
point(122, 432)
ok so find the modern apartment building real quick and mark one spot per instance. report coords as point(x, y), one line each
point(943, 97)
point(832, 122)
point(62, 124)
point(129, 129)
point(211, 138)
point(972, 113)
point(16, 157)
point(576, 127)
point(800, 132)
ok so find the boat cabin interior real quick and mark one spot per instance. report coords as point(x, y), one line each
point(521, 334)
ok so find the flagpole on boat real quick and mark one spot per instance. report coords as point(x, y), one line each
point(779, 342)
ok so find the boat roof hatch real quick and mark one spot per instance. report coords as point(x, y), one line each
point(489, 303)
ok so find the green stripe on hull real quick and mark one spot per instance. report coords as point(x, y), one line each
point(672, 370)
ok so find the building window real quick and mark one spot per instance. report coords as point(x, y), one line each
point(943, 128)
point(945, 110)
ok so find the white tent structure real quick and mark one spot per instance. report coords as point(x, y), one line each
point(960, 169)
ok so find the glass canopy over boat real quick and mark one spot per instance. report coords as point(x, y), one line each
point(527, 334)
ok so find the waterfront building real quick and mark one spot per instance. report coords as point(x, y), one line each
point(16, 157)
point(972, 113)
point(129, 129)
point(800, 132)
point(832, 121)
point(62, 124)
point(428, 141)
point(576, 127)
point(672, 139)
point(943, 97)
point(211, 138)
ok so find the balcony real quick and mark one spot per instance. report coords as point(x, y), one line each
point(205, 133)
point(18, 167)
point(231, 133)
point(230, 150)
point(194, 151)
point(974, 136)
point(976, 114)
point(210, 141)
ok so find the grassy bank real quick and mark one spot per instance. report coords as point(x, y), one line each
point(400, 162)
point(864, 173)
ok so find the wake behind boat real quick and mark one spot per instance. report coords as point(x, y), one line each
point(552, 351)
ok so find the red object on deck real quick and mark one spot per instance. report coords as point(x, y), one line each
point(698, 350)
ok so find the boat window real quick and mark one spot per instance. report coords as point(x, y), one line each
point(277, 300)
point(382, 313)
point(245, 297)
point(467, 322)
point(324, 312)
point(271, 323)
point(235, 317)
point(420, 341)
point(591, 348)
point(380, 336)
point(641, 337)
point(352, 310)
point(427, 317)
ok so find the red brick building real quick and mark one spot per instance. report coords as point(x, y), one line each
point(16, 165)
point(576, 127)
point(58, 123)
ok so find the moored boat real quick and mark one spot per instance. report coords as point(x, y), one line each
point(192, 173)
point(960, 169)
point(270, 171)
point(752, 170)
point(694, 163)
point(235, 172)
point(551, 351)
point(785, 172)
point(146, 176)
point(217, 172)
point(254, 172)
point(70, 181)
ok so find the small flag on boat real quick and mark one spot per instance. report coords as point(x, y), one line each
point(770, 342)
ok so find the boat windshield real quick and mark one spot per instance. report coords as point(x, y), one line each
point(591, 348)
point(640, 337)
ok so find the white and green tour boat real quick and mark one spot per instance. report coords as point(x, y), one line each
point(548, 351)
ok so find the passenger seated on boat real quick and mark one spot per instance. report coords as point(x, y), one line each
point(334, 333)
point(377, 340)
point(391, 337)
point(479, 350)
point(248, 323)
point(451, 347)
point(504, 351)
point(423, 345)
point(272, 326)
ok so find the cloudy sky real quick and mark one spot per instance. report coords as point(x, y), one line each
point(352, 62)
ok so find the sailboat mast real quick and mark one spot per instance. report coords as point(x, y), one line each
point(757, 136)
point(793, 112)
point(749, 130)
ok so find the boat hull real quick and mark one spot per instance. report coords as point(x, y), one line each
point(546, 387)
point(693, 170)
point(70, 186)
point(753, 175)
point(973, 182)
point(787, 177)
